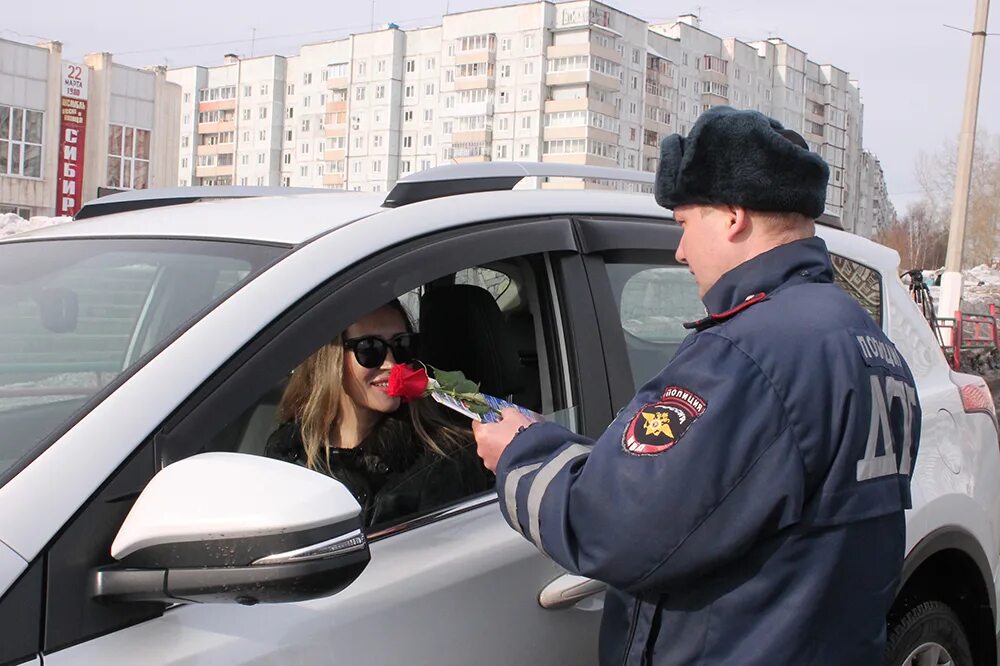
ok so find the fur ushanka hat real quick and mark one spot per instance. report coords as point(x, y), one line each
point(741, 158)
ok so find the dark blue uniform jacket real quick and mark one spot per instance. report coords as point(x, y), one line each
point(747, 506)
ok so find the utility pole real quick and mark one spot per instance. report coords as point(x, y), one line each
point(951, 280)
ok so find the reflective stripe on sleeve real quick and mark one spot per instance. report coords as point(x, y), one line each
point(510, 492)
point(541, 483)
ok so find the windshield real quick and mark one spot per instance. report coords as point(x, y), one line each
point(75, 315)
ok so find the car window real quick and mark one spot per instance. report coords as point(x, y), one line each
point(75, 315)
point(654, 300)
point(862, 283)
point(487, 322)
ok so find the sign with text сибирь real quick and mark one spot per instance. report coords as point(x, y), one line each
point(72, 137)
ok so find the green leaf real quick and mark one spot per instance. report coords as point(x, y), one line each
point(478, 408)
point(466, 386)
point(448, 379)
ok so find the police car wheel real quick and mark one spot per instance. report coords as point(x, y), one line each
point(929, 634)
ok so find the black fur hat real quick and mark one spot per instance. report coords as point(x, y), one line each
point(741, 158)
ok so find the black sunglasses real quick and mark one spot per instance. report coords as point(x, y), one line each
point(370, 350)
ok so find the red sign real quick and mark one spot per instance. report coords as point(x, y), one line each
point(72, 135)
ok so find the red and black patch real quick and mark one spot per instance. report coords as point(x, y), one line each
point(659, 425)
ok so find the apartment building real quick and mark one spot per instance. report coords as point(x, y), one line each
point(876, 209)
point(578, 82)
point(69, 131)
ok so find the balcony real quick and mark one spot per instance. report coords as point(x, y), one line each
point(334, 131)
point(214, 171)
point(473, 82)
point(582, 76)
point(215, 149)
point(472, 136)
point(216, 127)
point(338, 106)
point(218, 105)
point(334, 155)
point(335, 180)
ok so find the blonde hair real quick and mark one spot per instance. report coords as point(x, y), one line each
point(312, 399)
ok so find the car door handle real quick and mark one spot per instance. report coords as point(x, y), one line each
point(568, 590)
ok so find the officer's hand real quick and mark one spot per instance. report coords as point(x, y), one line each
point(493, 438)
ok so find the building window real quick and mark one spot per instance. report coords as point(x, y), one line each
point(411, 65)
point(408, 92)
point(376, 166)
point(287, 158)
point(288, 135)
point(502, 151)
point(428, 115)
point(404, 166)
point(377, 141)
point(504, 96)
point(449, 75)
point(527, 95)
point(524, 150)
point(244, 159)
point(503, 123)
point(185, 141)
point(307, 78)
point(187, 98)
point(429, 64)
point(504, 71)
point(429, 89)
point(187, 118)
point(407, 115)
point(505, 44)
point(526, 122)
point(529, 42)
point(184, 163)
point(264, 89)
point(305, 125)
point(246, 136)
point(306, 101)
point(362, 68)
point(260, 158)
point(304, 171)
point(262, 135)
point(247, 91)
point(380, 92)
point(408, 141)
point(529, 68)
point(21, 142)
point(304, 148)
point(291, 88)
point(128, 157)
point(380, 65)
point(428, 140)
point(262, 114)
point(359, 93)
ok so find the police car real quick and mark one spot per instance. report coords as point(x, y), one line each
point(144, 348)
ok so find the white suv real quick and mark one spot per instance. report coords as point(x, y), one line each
point(143, 352)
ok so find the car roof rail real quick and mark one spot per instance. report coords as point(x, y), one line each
point(173, 196)
point(453, 179)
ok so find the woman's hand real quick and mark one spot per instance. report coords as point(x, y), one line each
point(493, 438)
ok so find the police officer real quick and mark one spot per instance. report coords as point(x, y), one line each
point(746, 507)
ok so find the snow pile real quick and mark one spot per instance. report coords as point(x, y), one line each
point(980, 288)
point(11, 224)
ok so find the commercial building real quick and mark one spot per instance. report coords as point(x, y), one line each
point(579, 82)
point(68, 130)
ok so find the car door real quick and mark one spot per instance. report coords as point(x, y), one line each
point(454, 586)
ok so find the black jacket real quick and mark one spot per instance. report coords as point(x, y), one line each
point(392, 473)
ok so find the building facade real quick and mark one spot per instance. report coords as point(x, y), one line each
point(577, 82)
point(68, 129)
point(876, 209)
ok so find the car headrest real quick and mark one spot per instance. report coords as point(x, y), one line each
point(462, 328)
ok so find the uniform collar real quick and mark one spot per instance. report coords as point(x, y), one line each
point(805, 260)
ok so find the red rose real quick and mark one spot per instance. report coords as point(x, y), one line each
point(407, 383)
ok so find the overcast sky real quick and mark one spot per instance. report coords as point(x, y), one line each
point(911, 68)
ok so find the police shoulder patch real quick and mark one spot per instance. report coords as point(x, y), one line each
point(659, 425)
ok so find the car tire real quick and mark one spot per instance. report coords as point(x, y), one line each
point(928, 633)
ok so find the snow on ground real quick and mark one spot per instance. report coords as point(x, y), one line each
point(11, 224)
point(980, 287)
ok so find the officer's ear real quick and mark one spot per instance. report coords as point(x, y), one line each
point(738, 224)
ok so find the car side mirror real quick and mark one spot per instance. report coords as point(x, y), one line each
point(231, 527)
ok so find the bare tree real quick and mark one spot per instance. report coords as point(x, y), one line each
point(920, 236)
point(936, 175)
